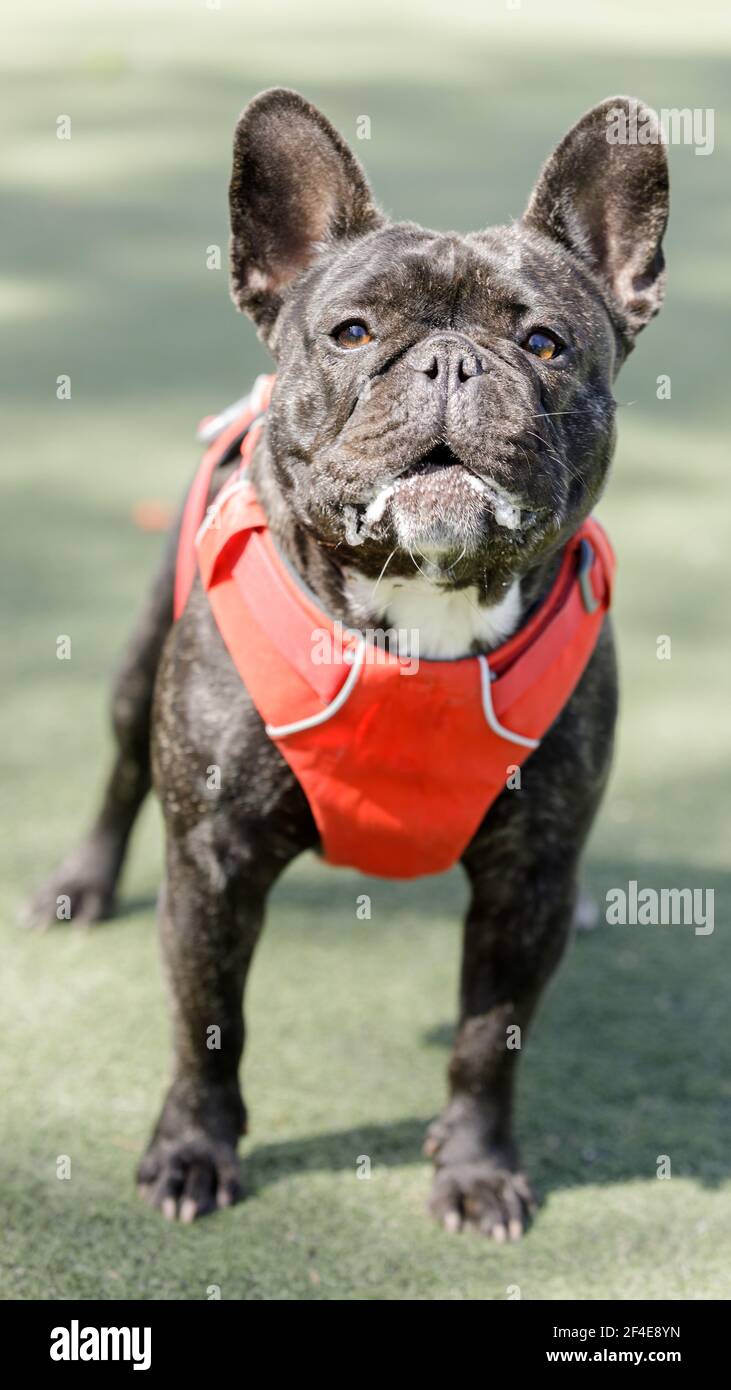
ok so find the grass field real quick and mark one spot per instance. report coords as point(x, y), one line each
point(105, 281)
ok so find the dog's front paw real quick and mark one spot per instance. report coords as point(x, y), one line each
point(484, 1197)
point(191, 1167)
point(80, 891)
point(189, 1177)
point(476, 1187)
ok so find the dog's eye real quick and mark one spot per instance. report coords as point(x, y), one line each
point(543, 345)
point(352, 334)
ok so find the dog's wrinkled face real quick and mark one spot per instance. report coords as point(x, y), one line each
point(442, 399)
point(459, 403)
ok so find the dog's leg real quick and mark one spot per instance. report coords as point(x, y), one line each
point(82, 888)
point(523, 868)
point(512, 943)
point(226, 845)
point(211, 916)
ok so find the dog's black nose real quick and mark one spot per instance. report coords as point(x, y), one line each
point(447, 358)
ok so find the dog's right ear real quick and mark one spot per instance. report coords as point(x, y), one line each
point(295, 186)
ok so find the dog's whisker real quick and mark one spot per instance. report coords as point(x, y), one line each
point(465, 595)
point(542, 414)
point(418, 566)
point(562, 463)
point(374, 590)
point(461, 556)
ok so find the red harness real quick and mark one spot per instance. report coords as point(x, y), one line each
point(399, 765)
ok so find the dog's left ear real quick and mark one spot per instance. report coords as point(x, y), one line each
point(295, 185)
point(603, 194)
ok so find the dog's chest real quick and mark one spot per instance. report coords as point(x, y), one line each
point(431, 622)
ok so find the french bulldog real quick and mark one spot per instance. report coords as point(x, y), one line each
point(482, 367)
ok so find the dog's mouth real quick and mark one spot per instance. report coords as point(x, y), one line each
point(433, 461)
point(439, 499)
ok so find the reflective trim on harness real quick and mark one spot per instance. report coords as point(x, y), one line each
point(486, 678)
point(236, 484)
point(583, 574)
point(284, 730)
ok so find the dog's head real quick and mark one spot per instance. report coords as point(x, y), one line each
point(441, 395)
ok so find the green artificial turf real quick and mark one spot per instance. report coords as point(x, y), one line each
point(105, 280)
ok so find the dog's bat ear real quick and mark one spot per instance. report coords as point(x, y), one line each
point(295, 187)
point(603, 194)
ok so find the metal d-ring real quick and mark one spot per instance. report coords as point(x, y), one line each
point(583, 574)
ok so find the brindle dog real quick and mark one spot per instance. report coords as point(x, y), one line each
point(397, 350)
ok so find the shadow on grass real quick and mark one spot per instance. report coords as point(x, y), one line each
point(389, 1145)
point(129, 907)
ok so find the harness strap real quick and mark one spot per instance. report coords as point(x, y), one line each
point(285, 616)
point(558, 618)
point(226, 445)
point(291, 622)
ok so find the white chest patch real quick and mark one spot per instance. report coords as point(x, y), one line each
point(432, 622)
